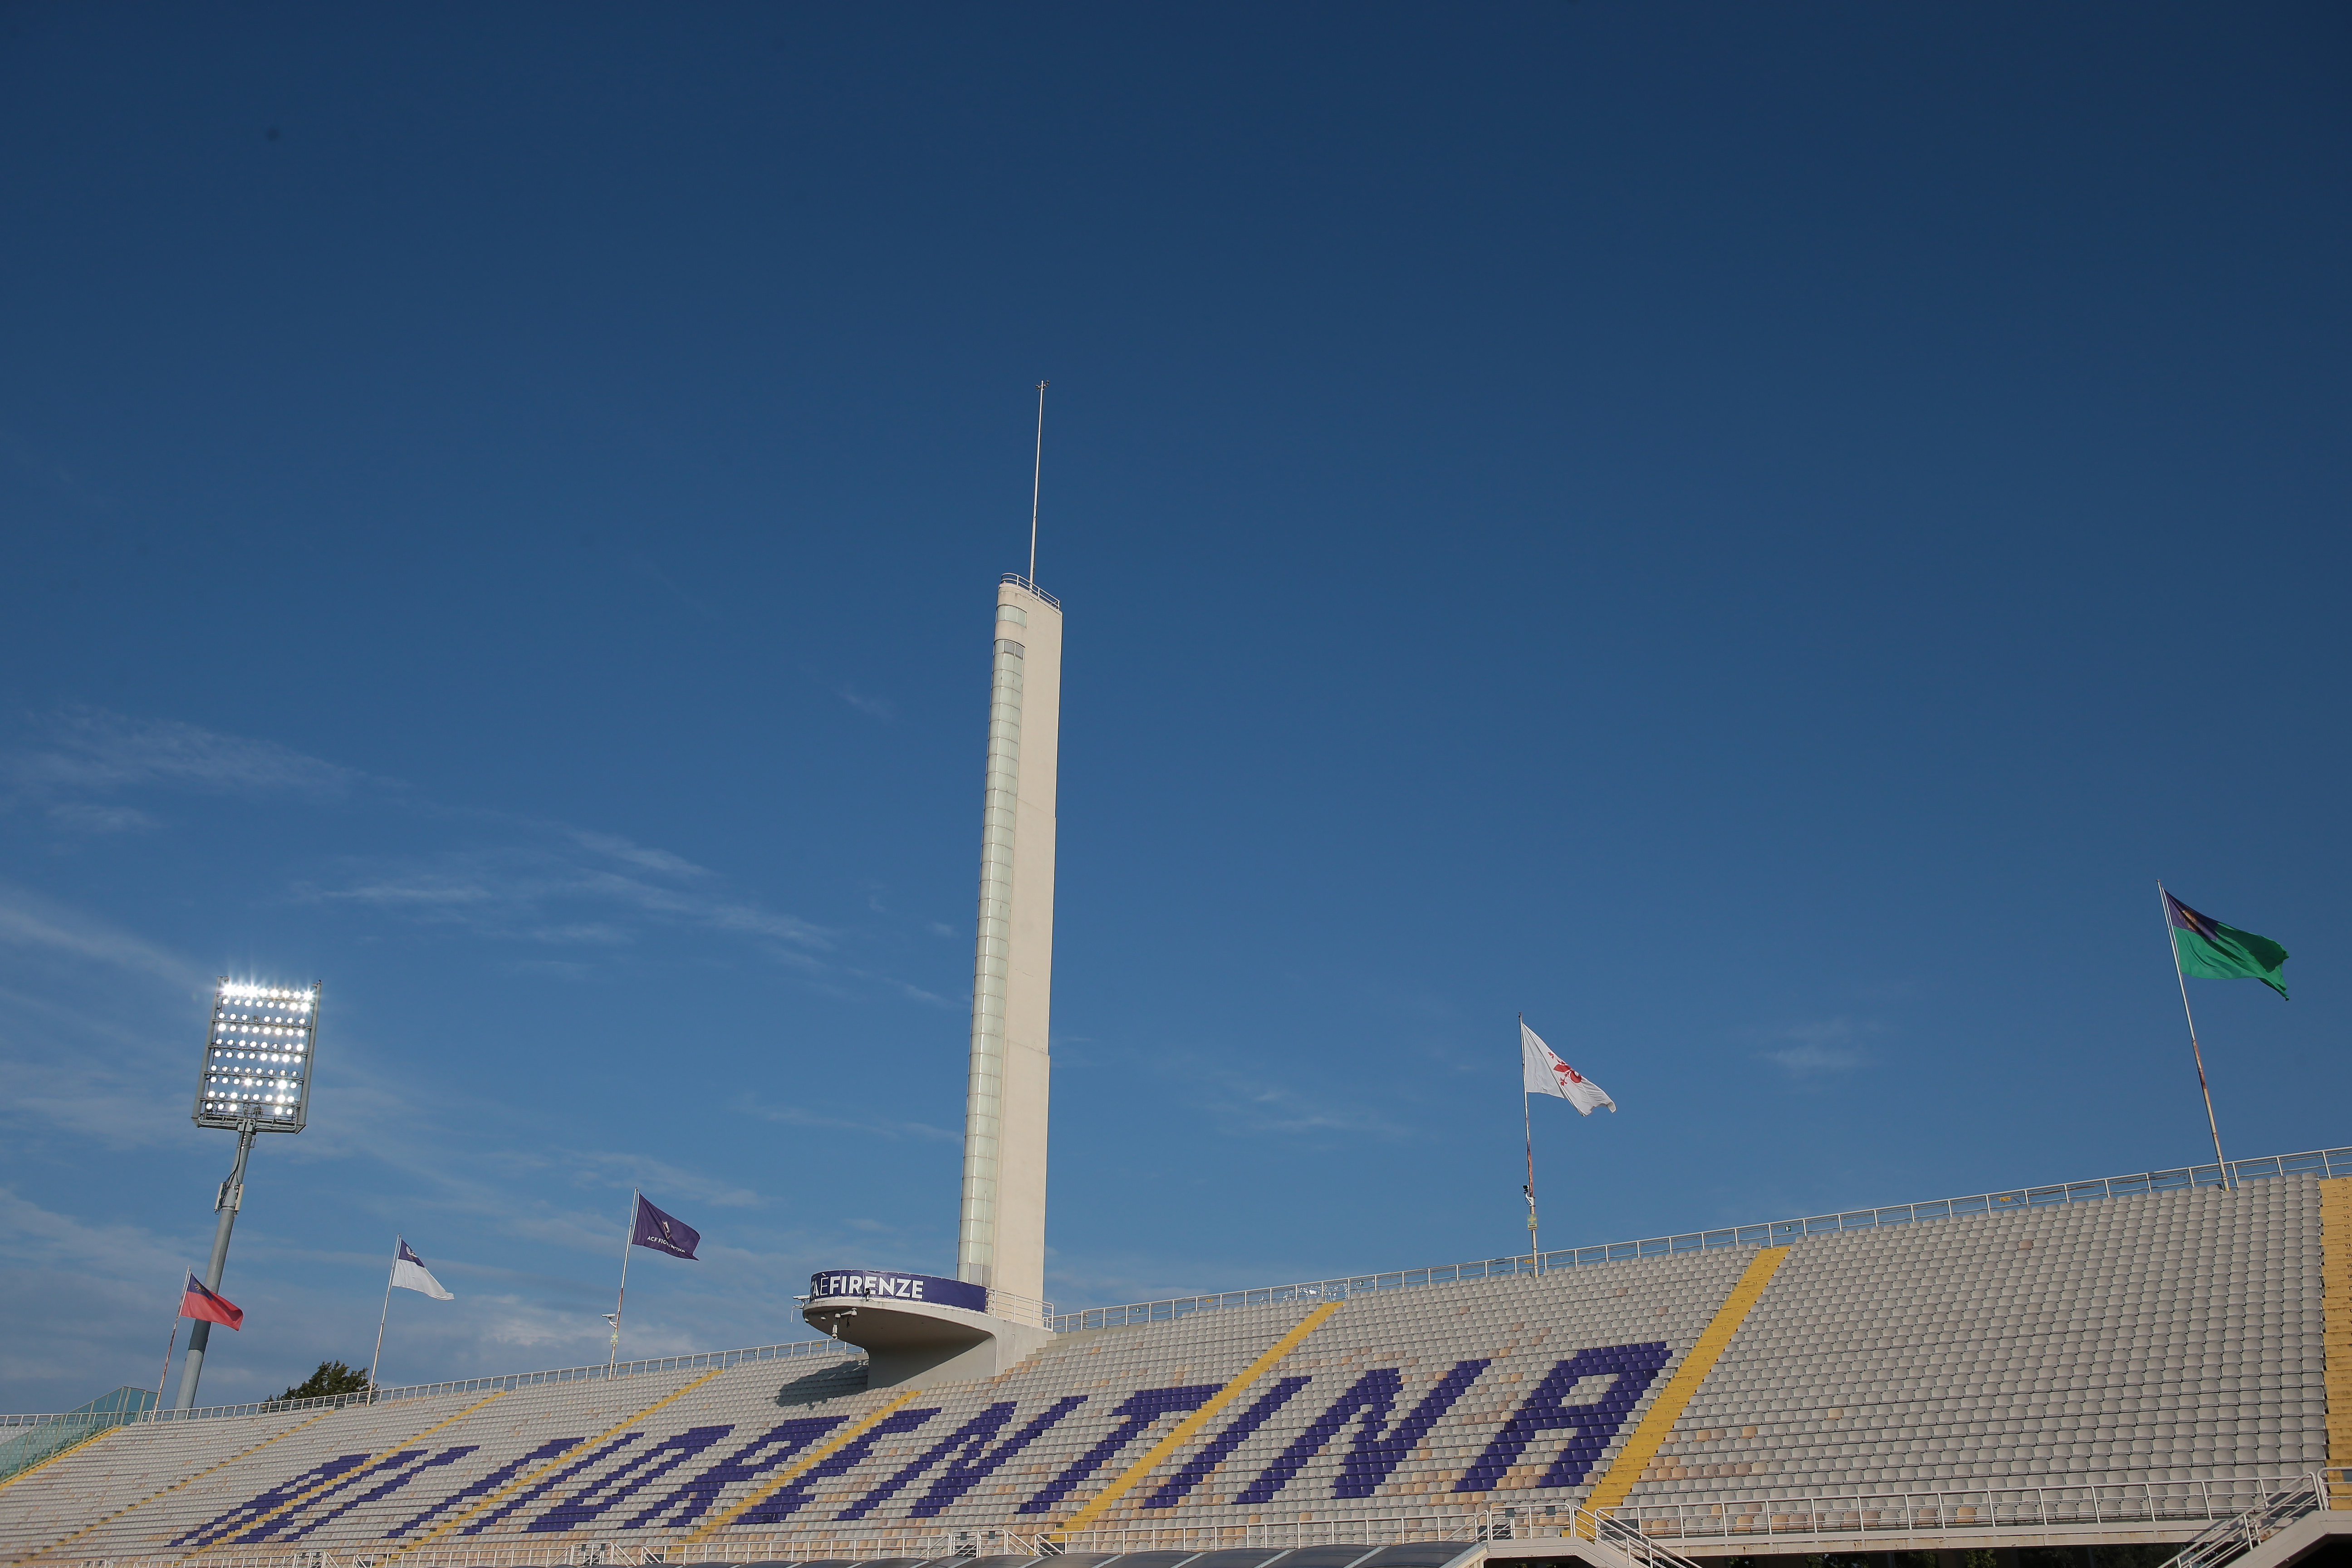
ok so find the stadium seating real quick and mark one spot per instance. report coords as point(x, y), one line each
point(2170, 1342)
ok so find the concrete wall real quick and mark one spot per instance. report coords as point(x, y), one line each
point(1001, 1233)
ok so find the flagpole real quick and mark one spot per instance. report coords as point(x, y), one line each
point(2165, 907)
point(613, 1355)
point(168, 1344)
point(1528, 1126)
point(379, 1316)
point(1036, 483)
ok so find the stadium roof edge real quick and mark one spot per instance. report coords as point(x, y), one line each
point(1767, 1233)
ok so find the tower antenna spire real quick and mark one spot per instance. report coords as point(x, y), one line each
point(1036, 480)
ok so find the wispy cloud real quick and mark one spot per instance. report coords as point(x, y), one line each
point(83, 816)
point(96, 1057)
point(645, 568)
point(569, 888)
point(29, 919)
point(659, 862)
point(549, 882)
point(92, 750)
point(1828, 1044)
point(1248, 1103)
point(865, 703)
point(1811, 1058)
point(620, 1170)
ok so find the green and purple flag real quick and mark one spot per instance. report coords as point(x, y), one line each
point(2211, 951)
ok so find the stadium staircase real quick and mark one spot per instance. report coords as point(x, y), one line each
point(2277, 1531)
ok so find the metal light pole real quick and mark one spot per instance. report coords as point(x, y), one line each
point(256, 1079)
point(232, 1194)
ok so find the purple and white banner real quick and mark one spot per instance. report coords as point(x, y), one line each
point(928, 1287)
point(663, 1232)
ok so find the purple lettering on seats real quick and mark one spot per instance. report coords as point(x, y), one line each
point(848, 1457)
point(539, 1489)
point(1141, 1409)
point(755, 1458)
point(1595, 1424)
point(1198, 1467)
point(286, 1527)
point(489, 1483)
point(965, 1458)
point(1378, 1448)
point(625, 1480)
point(253, 1508)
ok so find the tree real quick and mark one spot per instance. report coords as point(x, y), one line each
point(332, 1377)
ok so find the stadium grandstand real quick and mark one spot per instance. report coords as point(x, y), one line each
point(2115, 1373)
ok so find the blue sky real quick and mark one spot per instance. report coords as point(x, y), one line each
point(1751, 534)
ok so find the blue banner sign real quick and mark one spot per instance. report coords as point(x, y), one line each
point(879, 1285)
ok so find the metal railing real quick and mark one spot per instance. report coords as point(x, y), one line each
point(1387, 1529)
point(792, 1350)
point(1971, 1511)
point(33, 1444)
point(34, 1438)
point(1769, 1232)
point(1020, 1308)
point(1627, 1539)
point(1026, 586)
point(2247, 1510)
point(884, 1542)
point(2320, 1162)
point(2240, 1533)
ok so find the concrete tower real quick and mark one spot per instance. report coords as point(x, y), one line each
point(1002, 1240)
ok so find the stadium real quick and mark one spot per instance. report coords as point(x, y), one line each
point(2116, 1372)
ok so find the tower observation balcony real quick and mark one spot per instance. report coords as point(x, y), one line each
point(920, 1326)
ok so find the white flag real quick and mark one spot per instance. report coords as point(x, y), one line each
point(408, 1272)
point(1544, 1073)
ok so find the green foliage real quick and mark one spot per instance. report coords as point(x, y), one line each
point(332, 1377)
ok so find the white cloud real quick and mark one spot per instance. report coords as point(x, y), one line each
point(29, 919)
point(82, 816)
point(1245, 1103)
point(659, 862)
point(865, 702)
point(1828, 1044)
point(536, 893)
point(91, 749)
point(658, 1177)
point(1813, 1058)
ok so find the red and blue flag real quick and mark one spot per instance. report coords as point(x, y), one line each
point(211, 1306)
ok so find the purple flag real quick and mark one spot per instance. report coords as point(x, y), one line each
point(663, 1233)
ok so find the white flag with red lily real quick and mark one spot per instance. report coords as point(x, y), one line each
point(1546, 1074)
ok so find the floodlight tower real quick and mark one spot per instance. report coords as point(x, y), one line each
point(256, 1079)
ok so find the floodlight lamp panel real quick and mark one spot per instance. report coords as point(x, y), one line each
point(259, 1054)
